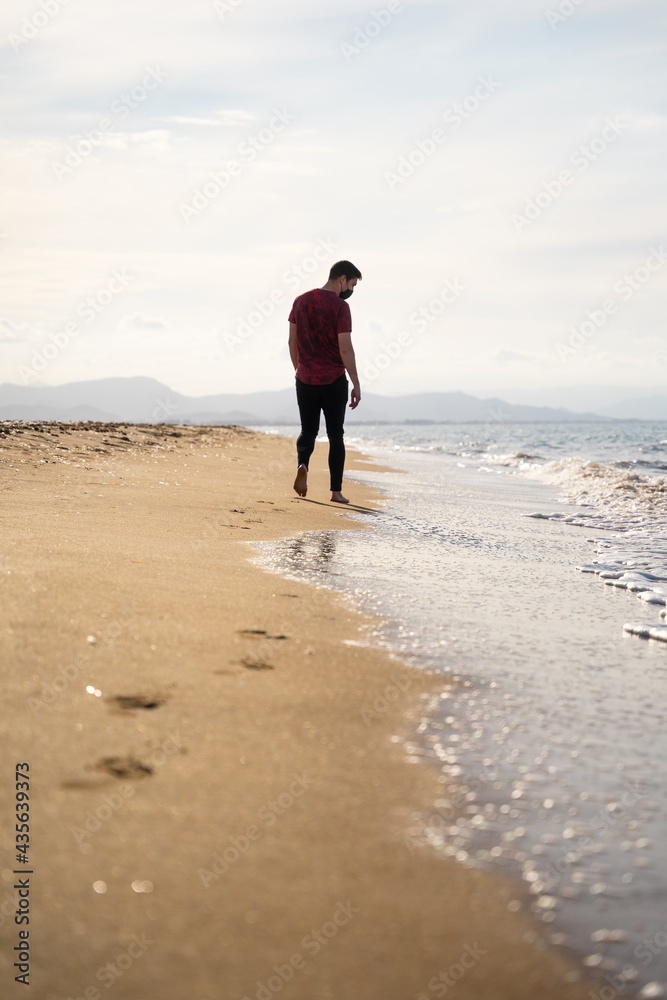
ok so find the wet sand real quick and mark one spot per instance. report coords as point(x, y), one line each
point(217, 807)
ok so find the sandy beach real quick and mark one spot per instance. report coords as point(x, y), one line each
point(217, 807)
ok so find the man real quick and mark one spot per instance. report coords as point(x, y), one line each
point(320, 345)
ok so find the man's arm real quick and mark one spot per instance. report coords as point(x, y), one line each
point(348, 359)
point(293, 352)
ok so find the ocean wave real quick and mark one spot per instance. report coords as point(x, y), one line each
point(518, 459)
point(614, 485)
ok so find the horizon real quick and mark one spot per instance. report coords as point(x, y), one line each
point(475, 392)
point(492, 172)
point(144, 397)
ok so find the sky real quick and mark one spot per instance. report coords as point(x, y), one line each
point(175, 172)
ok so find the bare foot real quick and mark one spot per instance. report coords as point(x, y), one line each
point(301, 481)
point(337, 497)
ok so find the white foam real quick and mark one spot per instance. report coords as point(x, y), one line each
point(621, 490)
point(638, 551)
point(648, 630)
point(651, 597)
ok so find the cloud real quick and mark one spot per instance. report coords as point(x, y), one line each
point(324, 177)
point(154, 140)
point(139, 322)
point(10, 334)
point(229, 116)
point(504, 357)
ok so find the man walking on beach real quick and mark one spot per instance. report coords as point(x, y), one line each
point(320, 345)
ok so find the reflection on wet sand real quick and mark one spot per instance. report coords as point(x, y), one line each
point(307, 553)
point(549, 742)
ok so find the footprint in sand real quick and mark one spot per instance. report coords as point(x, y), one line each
point(123, 768)
point(132, 702)
point(258, 633)
point(128, 768)
point(257, 665)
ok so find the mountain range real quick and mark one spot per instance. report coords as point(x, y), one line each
point(145, 400)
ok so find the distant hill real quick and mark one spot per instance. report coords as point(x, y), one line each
point(645, 408)
point(28, 411)
point(624, 402)
point(145, 400)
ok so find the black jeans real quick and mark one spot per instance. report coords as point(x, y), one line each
point(332, 400)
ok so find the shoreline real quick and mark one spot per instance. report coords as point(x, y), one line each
point(257, 756)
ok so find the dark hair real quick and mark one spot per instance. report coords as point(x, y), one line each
point(344, 269)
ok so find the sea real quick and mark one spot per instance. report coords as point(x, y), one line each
point(527, 565)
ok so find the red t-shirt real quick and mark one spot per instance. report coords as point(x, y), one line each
point(320, 316)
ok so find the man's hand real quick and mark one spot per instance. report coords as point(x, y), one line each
point(347, 357)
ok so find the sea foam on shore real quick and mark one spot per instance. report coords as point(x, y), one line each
point(550, 741)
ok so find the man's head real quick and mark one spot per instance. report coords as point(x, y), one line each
point(343, 276)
